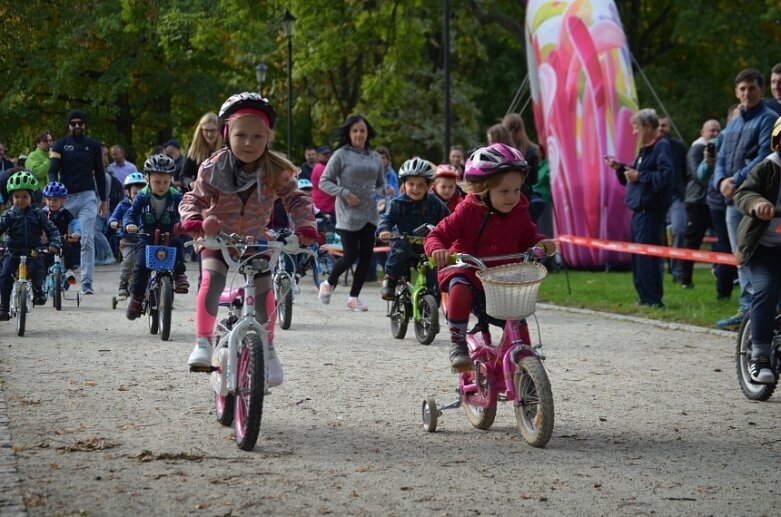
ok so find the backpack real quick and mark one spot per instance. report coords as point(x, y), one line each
point(116, 193)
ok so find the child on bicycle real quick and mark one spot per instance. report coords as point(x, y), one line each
point(239, 184)
point(492, 220)
point(445, 186)
point(415, 207)
point(54, 195)
point(155, 207)
point(23, 225)
point(759, 251)
point(133, 183)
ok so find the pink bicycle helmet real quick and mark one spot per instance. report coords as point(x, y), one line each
point(494, 159)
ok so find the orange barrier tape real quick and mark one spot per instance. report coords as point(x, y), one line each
point(649, 249)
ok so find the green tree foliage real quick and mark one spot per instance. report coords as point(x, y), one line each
point(146, 70)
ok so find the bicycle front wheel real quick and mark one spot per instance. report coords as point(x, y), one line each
point(750, 389)
point(57, 298)
point(21, 309)
point(534, 407)
point(284, 298)
point(249, 393)
point(152, 306)
point(166, 302)
point(427, 327)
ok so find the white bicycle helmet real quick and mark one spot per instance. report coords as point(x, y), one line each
point(417, 167)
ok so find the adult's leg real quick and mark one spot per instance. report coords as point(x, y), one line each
point(350, 248)
point(725, 275)
point(678, 229)
point(84, 206)
point(365, 250)
point(734, 216)
point(648, 228)
point(697, 223)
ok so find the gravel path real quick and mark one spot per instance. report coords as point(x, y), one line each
point(106, 419)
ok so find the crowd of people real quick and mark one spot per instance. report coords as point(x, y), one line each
point(726, 182)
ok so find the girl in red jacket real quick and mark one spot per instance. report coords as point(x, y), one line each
point(239, 185)
point(492, 220)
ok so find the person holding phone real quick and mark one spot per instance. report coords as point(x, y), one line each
point(649, 188)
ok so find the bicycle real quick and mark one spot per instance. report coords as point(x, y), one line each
point(239, 372)
point(21, 302)
point(57, 284)
point(513, 370)
point(751, 389)
point(415, 300)
point(159, 293)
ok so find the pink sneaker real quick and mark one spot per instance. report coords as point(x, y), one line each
point(356, 305)
point(325, 292)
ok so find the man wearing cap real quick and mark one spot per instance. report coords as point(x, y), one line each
point(120, 167)
point(76, 161)
point(174, 150)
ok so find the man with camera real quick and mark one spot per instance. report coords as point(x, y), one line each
point(700, 161)
point(745, 143)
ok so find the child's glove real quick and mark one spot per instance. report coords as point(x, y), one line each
point(385, 236)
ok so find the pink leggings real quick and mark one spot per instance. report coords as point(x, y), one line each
point(214, 272)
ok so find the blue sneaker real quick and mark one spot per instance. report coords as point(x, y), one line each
point(731, 323)
point(86, 288)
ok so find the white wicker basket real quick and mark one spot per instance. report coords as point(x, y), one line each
point(511, 290)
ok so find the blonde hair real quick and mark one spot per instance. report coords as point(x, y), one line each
point(199, 149)
point(480, 188)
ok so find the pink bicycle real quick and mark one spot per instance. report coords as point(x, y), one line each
point(512, 370)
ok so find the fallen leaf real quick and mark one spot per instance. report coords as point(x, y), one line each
point(362, 468)
point(90, 383)
point(91, 444)
point(122, 387)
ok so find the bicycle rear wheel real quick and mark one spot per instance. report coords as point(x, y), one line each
point(479, 416)
point(427, 327)
point(21, 309)
point(751, 389)
point(152, 306)
point(250, 391)
point(284, 297)
point(534, 407)
point(164, 307)
point(399, 316)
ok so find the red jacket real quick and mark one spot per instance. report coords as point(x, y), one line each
point(453, 202)
point(503, 234)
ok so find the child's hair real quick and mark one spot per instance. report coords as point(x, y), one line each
point(275, 164)
point(481, 188)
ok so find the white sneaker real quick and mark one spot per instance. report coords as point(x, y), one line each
point(275, 374)
point(356, 305)
point(325, 292)
point(201, 354)
point(295, 288)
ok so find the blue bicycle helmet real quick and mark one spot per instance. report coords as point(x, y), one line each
point(135, 178)
point(55, 189)
point(304, 183)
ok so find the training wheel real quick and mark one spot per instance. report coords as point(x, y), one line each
point(114, 302)
point(430, 414)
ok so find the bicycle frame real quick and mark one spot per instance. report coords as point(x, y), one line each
point(21, 280)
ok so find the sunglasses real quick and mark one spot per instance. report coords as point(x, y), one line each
point(76, 123)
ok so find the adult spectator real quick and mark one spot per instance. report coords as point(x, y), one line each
point(310, 159)
point(649, 184)
point(774, 102)
point(498, 134)
point(76, 161)
point(702, 151)
point(530, 151)
point(354, 175)
point(173, 148)
point(456, 158)
point(391, 177)
point(677, 212)
point(206, 140)
point(5, 197)
point(5, 163)
point(745, 143)
point(120, 168)
point(324, 202)
point(38, 160)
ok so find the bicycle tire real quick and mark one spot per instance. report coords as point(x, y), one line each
point(154, 320)
point(57, 298)
point(165, 306)
point(399, 316)
point(480, 417)
point(21, 310)
point(751, 389)
point(284, 302)
point(427, 327)
point(250, 391)
point(534, 407)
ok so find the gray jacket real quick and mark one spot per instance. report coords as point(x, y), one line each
point(350, 171)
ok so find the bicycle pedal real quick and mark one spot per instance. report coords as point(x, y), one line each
point(461, 369)
point(182, 290)
point(202, 369)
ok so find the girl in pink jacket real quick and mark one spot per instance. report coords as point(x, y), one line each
point(492, 220)
point(239, 184)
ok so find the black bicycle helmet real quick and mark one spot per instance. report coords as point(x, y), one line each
point(160, 163)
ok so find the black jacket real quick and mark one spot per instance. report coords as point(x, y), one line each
point(23, 228)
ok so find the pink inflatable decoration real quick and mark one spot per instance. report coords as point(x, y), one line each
point(584, 95)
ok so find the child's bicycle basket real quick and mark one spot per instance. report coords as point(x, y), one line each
point(511, 290)
point(160, 258)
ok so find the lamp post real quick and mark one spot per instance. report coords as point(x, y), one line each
point(446, 63)
point(260, 74)
point(288, 26)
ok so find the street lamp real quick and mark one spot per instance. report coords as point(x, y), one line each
point(288, 27)
point(260, 74)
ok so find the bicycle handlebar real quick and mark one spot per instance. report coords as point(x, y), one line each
point(225, 242)
point(463, 260)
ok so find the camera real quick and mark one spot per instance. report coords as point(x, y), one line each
point(710, 148)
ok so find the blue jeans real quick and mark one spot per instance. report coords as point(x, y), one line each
point(677, 214)
point(766, 282)
point(734, 216)
point(647, 271)
point(84, 207)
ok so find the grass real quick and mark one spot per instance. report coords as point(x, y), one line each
point(614, 292)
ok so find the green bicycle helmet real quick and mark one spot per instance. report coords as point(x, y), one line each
point(22, 180)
